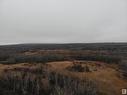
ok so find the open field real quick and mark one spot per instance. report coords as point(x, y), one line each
point(63, 69)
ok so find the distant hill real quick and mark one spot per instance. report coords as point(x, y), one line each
point(71, 46)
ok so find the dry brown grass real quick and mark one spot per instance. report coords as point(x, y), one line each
point(107, 77)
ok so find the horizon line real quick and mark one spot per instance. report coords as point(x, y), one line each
point(63, 43)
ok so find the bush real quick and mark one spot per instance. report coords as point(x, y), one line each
point(78, 68)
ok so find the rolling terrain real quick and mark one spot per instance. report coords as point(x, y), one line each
point(63, 69)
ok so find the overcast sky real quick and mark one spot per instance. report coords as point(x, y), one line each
point(63, 21)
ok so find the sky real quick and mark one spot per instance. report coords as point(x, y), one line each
point(63, 21)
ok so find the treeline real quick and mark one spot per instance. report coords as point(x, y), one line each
point(74, 46)
point(38, 58)
point(32, 58)
point(4, 57)
point(103, 58)
point(11, 59)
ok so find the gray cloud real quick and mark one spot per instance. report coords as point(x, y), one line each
point(60, 21)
